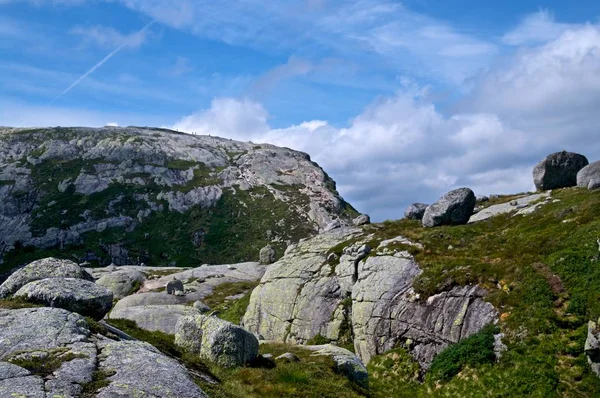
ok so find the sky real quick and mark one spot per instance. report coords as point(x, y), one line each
point(399, 102)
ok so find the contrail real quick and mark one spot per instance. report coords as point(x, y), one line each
point(99, 64)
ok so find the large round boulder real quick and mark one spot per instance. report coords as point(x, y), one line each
point(216, 340)
point(558, 170)
point(415, 211)
point(589, 176)
point(454, 208)
point(75, 295)
point(122, 283)
point(42, 269)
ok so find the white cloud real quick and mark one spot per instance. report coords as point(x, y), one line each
point(107, 37)
point(536, 28)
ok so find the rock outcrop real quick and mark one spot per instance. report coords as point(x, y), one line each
point(216, 340)
point(76, 295)
point(42, 269)
point(150, 185)
point(367, 297)
point(592, 346)
point(415, 211)
point(558, 170)
point(123, 282)
point(589, 176)
point(521, 206)
point(454, 208)
point(161, 318)
point(74, 356)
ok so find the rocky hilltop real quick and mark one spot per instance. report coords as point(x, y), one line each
point(145, 195)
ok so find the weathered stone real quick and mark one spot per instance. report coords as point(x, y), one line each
point(140, 370)
point(558, 170)
point(174, 286)
point(454, 208)
point(200, 306)
point(10, 371)
point(161, 318)
point(76, 295)
point(216, 340)
point(149, 298)
point(122, 283)
point(42, 269)
point(347, 363)
point(592, 346)
point(589, 176)
point(415, 211)
point(363, 219)
point(32, 329)
point(288, 357)
point(23, 387)
point(266, 255)
point(503, 208)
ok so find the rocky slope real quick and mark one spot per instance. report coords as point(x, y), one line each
point(142, 195)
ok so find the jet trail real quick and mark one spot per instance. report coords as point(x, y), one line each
point(99, 64)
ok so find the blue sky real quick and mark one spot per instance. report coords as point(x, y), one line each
point(398, 101)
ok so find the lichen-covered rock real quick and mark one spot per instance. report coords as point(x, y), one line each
point(363, 219)
point(592, 346)
point(347, 363)
point(122, 283)
point(32, 329)
point(140, 370)
point(42, 269)
point(368, 294)
point(266, 255)
point(454, 208)
point(216, 340)
point(161, 318)
point(589, 176)
point(23, 387)
point(76, 295)
point(558, 170)
point(149, 298)
point(415, 211)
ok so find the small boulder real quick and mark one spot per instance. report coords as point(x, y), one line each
point(200, 306)
point(75, 295)
point(415, 211)
point(288, 357)
point(335, 224)
point(266, 255)
point(558, 170)
point(43, 269)
point(363, 219)
point(347, 363)
point(174, 286)
point(122, 283)
point(589, 176)
point(592, 346)
point(481, 199)
point(454, 208)
point(216, 340)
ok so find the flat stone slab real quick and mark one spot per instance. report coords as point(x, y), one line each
point(520, 205)
point(76, 295)
point(161, 318)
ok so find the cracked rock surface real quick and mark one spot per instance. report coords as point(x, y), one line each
point(368, 294)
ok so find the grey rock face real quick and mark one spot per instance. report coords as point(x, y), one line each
point(76, 295)
point(288, 357)
point(302, 296)
point(216, 340)
point(363, 219)
point(150, 298)
point(27, 386)
point(122, 283)
point(174, 286)
point(558, 170)
point(142, 371)
point(592, 346)
point(523, 205)
point(589, 176)
point(415, 211)
point(266, 255)
point(454, 208)
point(346, 362)
point(42, 269)
point(163, 318)
point(200, 306)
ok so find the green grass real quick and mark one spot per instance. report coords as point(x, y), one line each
point(44, 364)
point(16, 303)
point(231, 310)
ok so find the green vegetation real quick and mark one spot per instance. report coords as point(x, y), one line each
point(15, 303)
point(394, 374)
point(230, 310)
point(43, 363)
point(472, 351)
point(100, 379)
